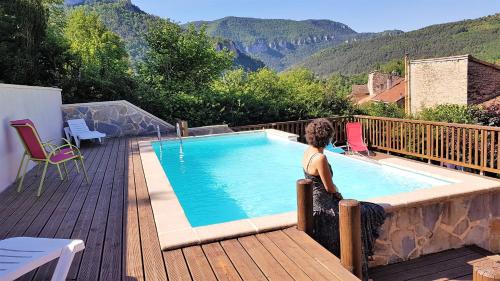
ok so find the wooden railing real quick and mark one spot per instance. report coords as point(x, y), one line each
point(299, 127)
point(470, 146)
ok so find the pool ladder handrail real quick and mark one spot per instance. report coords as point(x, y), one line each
point(178, 131)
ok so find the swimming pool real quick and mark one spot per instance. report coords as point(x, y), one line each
point(225, 178)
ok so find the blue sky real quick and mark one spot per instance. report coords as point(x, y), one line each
point(361, 15)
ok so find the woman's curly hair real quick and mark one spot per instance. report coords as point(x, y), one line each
point(319, 132)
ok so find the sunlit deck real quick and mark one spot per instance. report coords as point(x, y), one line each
point(113, 216)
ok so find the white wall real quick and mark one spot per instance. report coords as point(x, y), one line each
point(41, 105)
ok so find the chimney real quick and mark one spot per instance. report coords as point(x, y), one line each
point(407, 84)
point(371, 83)
point(389, 83)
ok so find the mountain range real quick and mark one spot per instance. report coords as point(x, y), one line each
point(478, 37)
point(281, 43)
point(323, 46)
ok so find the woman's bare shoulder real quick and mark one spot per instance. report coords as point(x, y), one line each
point(320, 158)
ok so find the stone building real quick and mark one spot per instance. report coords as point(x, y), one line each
point(396, 94)
point(378, 83)
point(451, 80)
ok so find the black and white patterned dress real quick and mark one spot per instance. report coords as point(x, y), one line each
point(326, 220)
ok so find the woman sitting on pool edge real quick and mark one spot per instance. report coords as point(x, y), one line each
point(326, 196)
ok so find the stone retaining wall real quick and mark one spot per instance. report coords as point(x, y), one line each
point(415, 231)
point(116, 118)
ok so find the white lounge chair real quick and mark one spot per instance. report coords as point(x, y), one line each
point(80, 131)
point(21, 255)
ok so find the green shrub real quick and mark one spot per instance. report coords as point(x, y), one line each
point(380, 109)
point(452, 113)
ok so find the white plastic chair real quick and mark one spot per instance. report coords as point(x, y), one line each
point(80, 131)
point(20, 255)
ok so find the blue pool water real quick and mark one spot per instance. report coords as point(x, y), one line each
point(224, 178)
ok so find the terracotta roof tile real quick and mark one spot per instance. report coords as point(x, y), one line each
point(493, 101)
point(394, 94)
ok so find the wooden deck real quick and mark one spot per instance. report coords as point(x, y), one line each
point(448, 265)
point(113, 216)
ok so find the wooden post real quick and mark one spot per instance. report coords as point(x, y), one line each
point(350, 236)
point(305, 206)
point(487, 270)
point(184, 129)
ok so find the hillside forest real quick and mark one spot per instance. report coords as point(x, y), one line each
point(172, 71)
point(183, 75)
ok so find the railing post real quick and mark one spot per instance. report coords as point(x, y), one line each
point(350, 236)
point(184, 129)
point(305, 206)
point(483, 152)
point(428, 151)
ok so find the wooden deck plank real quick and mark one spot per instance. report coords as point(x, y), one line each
point(438, 269)
point(269, 266)
point(84, 225)
point(221, 264)
point(91, 258)
point(287, 263)
point(72, 216)
point(48, 228)
point(445, 274)
point(306, 262)
point(111, 267)
point(154, 267)
point(113, 216)
point(421, 262)
point(61, 199)
point(449, 256)
point(177, 268)
point(132, 251)
point(10, 199)
point(198, 264)
point(30, 206)
point(244, 264)
point(331, 262)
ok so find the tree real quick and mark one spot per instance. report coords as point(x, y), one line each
point(395, 66)
point(178, 70)
point(100, 70)
point(27, 50)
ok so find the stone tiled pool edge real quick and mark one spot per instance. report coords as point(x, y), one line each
point(174, 230)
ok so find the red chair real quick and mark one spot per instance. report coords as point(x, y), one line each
point(36, 151)
point(355, 142)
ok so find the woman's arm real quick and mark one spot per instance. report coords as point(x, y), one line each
point(326, 175)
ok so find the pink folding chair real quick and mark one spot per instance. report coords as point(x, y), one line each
point(355, 142)
point(37, 151)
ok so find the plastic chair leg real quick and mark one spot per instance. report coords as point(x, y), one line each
point(84, 170)
point(20, 186)
point(20, 166)
point(66, 170)
point(76, 165)
point(43, 178)
point(60, 173)
point(63, 265)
